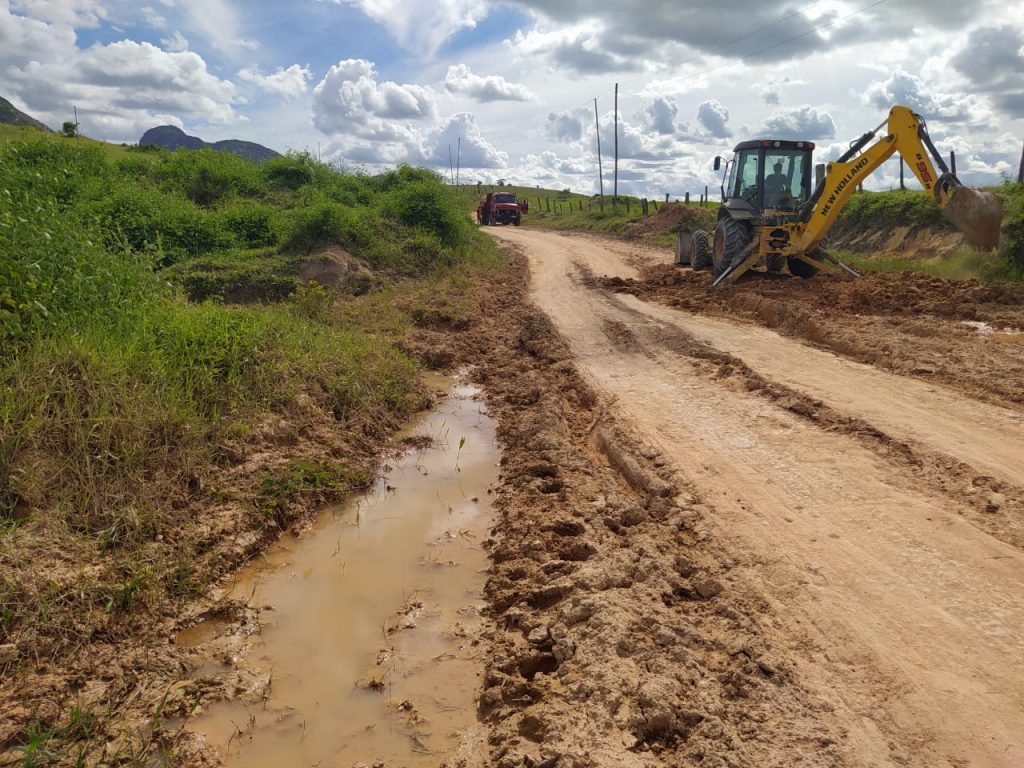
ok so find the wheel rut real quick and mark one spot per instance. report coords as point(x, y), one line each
point(900, 604)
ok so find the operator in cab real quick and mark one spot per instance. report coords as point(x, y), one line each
point(776, 187)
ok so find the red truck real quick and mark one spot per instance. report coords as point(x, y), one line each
point(501, 208)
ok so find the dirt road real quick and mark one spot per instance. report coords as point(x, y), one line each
point(877, 515)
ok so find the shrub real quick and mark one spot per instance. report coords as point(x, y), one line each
point(252, 224)
point(289, 171)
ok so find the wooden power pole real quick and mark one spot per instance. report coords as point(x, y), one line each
point(600, 173)
point(615, 187)
point(1020, 170)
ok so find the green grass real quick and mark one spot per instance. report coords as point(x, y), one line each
point(965, 264)
point(28, 133)
point(124, 374)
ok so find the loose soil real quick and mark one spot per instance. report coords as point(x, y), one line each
point(777, 526)
point(859, 510)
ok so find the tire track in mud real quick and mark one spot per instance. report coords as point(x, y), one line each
point(902, 617)
point(995, 506)
point(619, 638)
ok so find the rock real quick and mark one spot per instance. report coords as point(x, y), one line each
point(708, 588)
point(684, 566)
point(995, 502)
point(539, 636)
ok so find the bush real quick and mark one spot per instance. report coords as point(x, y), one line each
point(323, 223)
point(1012, 195)
point(253, 224)
point(427, 205)
point(289, 171)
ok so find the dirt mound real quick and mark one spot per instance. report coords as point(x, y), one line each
point(671, 217)
point(332, 266)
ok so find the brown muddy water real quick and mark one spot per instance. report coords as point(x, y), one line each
point(367, 652)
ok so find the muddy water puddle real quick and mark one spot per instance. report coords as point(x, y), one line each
point(366, 651)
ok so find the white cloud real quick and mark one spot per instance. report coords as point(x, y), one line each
point(461, 79)
point(713, 115)
point(350, 100)
point(901, 87)
point(74, 13)
point(151, 18)
point(804, 122)
point(217, 21)
point(289, 83)
point(476, 152)
point(422, 27)
point(176, 43)
point(117, 88)
point(661, 115)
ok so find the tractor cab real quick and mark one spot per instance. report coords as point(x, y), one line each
point(767, 176)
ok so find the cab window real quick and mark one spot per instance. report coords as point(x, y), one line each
point(743, 180)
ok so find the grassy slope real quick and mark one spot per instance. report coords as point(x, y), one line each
point(20, 133)
point(121, 401)
point(908, 208)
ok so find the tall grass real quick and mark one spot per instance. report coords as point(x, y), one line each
point(116, 391)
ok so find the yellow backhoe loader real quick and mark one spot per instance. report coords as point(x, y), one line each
point(773, 219)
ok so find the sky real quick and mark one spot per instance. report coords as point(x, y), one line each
point(508, 86)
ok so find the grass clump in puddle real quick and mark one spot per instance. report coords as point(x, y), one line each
point(131, 389)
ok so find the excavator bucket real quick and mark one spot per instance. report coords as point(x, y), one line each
point(978, 215)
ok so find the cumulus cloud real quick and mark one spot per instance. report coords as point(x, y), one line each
point(901, 87)
point(992, 60)
point(661, 115)
point(566, 127)
point(804, 122)
point(350, 100)
point(289, 83)
point(421, 27)
point(476, 152)
point(118, 88)
point(73, 13)
point(714, 117)
point(461, 79)
point(151, 18)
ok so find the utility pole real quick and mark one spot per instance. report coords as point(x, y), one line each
point(902, 185)
point(1020, 170)
point(458, 163)
point(600, 173)
point(75, 107)
point(615, 188)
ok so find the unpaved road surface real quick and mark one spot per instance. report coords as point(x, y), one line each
point(874, 516)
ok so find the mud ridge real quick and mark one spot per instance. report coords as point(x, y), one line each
point(994, 506)
point(620, 638)
point(912, 325)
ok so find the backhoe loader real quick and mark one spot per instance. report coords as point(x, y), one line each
point(774, 220)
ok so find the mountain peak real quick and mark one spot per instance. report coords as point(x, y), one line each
point(171, 137)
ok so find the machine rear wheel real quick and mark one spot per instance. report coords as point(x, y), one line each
point(700, 250)
point(730, 239)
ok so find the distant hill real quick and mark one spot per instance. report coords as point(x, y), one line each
point(11, 115)
point(171, 137)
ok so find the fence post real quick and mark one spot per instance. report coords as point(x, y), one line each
point(549, 203)
point(902, 185)
point(705, 195)
point(627, 206)
point(686, 199)
point(655, 204)
point(666, 197)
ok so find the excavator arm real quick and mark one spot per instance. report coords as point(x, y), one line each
point(977, 214)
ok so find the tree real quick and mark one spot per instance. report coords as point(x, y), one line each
point(70, 129)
